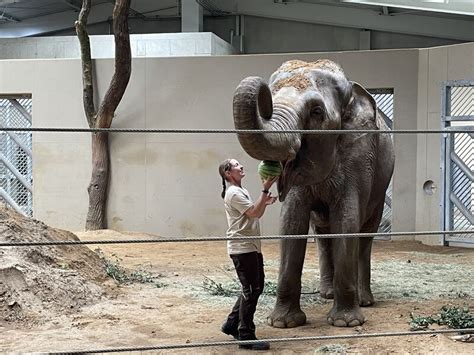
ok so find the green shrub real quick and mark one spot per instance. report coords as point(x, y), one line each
point(453, 317)
point(115, 270)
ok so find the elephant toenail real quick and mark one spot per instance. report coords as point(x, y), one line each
point(279, 324)
point(340, 323)
point(354, 323)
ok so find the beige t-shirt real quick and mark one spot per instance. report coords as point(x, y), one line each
point(236, 201)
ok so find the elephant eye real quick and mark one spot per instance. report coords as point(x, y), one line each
point(317, 111)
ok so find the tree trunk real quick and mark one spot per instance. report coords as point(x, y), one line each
point(98, 186)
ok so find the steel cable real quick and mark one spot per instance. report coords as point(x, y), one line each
point(239, 131)
point(177, 239)
point(276, 340)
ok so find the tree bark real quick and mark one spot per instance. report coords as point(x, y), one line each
point(99, 184)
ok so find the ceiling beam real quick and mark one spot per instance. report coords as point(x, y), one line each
point(8, 17)
point(132, 12)
point(75, 4)
point(54, 22)
point(412, 24)
point(385, 11)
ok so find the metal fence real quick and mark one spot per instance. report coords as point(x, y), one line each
point(458, 160)
point(384, 100)
point(16, 167)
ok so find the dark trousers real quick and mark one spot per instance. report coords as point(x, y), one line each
point(249, 267)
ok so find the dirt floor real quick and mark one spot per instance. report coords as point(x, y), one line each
point(176, 305)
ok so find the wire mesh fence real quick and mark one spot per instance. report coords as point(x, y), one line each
point(16, 168)
point(458, 112)
point(384, 100)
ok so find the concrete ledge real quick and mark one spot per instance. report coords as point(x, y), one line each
point(143, 45)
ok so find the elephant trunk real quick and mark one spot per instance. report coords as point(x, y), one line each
point(253, 109)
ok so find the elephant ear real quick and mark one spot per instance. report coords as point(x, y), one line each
point(361, 111)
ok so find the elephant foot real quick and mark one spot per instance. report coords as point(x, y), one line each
point(345, 318)
point(326, 292)
point(286, 317)
point(366, 298)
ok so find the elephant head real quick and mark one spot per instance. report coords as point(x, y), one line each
point(301, 96)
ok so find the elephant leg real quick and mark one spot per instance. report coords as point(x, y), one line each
point(326, 266)
point(346, 311)
point(365, 293)
point(365, 249)
point(294, 220)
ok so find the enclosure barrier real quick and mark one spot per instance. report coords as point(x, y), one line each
point(270, 340)
point(177, 239)
point(453, 130)
point(450, 130)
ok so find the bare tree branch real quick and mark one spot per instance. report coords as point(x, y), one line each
point(88, 89)
point(123, 67)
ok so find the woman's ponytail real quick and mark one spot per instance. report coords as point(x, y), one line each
point(223, 167)
point(223, 188)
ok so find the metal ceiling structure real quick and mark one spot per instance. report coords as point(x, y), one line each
point(452, 19)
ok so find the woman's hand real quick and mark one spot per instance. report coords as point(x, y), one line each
point(267, 183)
point(270, 200)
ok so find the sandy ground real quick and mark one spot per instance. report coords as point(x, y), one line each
point(182, 310)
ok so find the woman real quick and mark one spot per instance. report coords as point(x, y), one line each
point(243, 219)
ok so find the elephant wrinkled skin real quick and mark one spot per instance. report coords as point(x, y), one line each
point(334, 183)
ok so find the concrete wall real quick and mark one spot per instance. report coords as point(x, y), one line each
point(435, 66)
point(146, 45)
point(168, 183)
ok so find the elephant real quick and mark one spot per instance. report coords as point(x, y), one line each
point(333, 183)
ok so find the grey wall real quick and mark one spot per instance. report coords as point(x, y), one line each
point(435, 66)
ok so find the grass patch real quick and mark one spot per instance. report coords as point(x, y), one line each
point(417, 280)
point(332, 348)
point(232, 288)
point(453, 317)
point(391, 279)
point(215, 288)
point(121, 275)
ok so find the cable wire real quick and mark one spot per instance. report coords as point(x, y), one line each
point(238, 131)
point(276, 340)
point(178, 239)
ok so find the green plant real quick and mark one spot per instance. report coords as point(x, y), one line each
point(233, 288)
point(453, 317)
point(332, 348)
point(270, 288)
point(115, 270)
point(218, 289)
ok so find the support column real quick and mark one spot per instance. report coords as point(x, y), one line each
point(364, 40)
point(191, 16)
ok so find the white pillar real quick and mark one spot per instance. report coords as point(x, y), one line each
point(191, 16)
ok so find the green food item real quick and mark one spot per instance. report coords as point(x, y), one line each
point(269, 169)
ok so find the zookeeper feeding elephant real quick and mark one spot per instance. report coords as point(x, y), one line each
point(243, 219)
point(334, 182)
